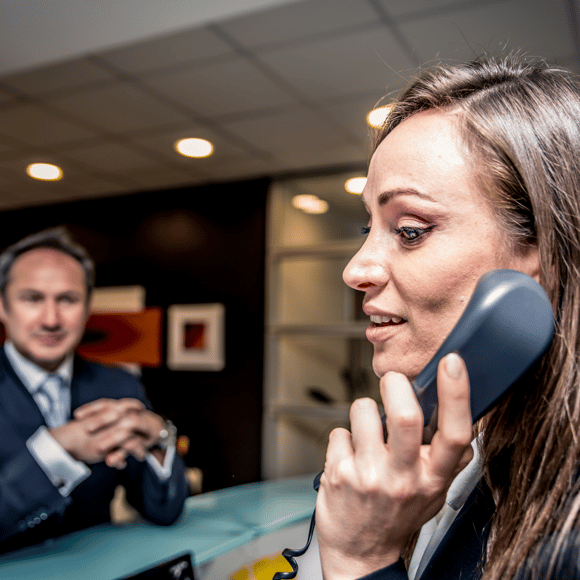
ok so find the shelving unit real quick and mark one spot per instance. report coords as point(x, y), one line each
point(317, 356)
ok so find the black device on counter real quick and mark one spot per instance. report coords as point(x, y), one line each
point(178, 568)
point(506, 327)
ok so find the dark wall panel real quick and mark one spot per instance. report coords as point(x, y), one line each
point(187, 246)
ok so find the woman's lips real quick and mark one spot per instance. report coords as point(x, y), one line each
point(383, 328)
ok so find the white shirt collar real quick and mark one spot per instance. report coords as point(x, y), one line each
point(466, 480)
point(31, 374)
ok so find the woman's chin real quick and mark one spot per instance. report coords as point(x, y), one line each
point(381, 367)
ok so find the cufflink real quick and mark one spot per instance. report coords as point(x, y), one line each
point(167, 435)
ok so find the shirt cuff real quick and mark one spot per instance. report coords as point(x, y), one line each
point(62, 469)
point(163, 472)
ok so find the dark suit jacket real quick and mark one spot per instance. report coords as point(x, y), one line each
point(31, 508)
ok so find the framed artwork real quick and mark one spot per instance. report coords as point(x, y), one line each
point(121, 330)
point(196, 337)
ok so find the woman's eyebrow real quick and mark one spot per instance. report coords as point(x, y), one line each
point(386, 196)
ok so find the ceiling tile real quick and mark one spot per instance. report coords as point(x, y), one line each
point(56, 77)
point(535, 27)
point(231, 87)
point(225, 165)
point(8, 199)
point(110, 157)
point(9, 175)
point(23, 198)
point(91, 185)
point(4, 146)
point(351, 114)
point(5, 97)
point(348, 64)
point(416, 7)
point(298, 20)
point(32, 192)
point(151, 178)
point(237, 168)
point(297, 138)
point(36, 127)
point(119, 108)
point(189, 46)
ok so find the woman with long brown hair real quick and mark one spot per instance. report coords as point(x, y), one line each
point(476, 168)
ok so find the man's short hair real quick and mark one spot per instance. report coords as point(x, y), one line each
point(54, 238)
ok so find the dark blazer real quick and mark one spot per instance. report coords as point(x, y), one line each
point(31, 508)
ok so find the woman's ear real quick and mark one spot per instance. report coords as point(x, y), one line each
point(528, 262)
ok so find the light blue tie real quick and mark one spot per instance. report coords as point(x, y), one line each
point(50, 401)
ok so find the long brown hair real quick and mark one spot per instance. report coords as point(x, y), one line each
point(521, 123)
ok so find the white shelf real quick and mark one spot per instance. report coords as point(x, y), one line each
point(335, 411)
point(346, 330)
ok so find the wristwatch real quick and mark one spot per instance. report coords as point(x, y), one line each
point(167, 435)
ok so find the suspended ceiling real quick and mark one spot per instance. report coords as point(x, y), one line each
point(281, 88)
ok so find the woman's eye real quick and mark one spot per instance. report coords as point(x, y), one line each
point(365, 230)
point(410, 235)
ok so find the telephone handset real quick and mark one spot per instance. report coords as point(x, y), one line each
point(506, 327)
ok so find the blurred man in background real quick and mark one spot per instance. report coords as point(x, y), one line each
point(72, 430)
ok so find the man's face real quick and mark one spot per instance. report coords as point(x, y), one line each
point(45, 307)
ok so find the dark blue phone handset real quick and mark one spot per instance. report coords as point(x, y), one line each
point(505, 329)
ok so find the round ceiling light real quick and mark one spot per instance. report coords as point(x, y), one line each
point(194, 147)
point(44, 171)
point(310, 204)
point(355, 185)
point(377, 117)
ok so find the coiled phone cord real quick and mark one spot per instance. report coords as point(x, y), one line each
point(290, 555)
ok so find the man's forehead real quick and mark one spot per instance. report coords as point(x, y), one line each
point(45, 264)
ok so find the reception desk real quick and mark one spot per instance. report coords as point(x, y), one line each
point(222, 530)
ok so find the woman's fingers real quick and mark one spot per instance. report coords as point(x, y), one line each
point(366, 428)
point(450, 447)
point(339, 446)
point(404, 421)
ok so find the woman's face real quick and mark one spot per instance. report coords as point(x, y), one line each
point(432, 235)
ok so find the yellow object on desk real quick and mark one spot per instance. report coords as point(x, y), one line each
point(263, 569)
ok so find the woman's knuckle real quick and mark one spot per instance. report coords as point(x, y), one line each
point(406, 419)
point(402, 490)
point(457, 439)
point(362, 405)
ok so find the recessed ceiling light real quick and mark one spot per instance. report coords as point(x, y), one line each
point(310, 203)
point(355, 185)
point(377, 117)
point(194, 147)
point(44, 171)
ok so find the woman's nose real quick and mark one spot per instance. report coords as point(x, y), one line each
point(367, 269)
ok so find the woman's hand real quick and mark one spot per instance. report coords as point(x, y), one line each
point(373, 495)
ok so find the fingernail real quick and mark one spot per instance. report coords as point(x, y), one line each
point(453, 365)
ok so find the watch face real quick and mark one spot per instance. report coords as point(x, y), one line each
point(167, 435)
